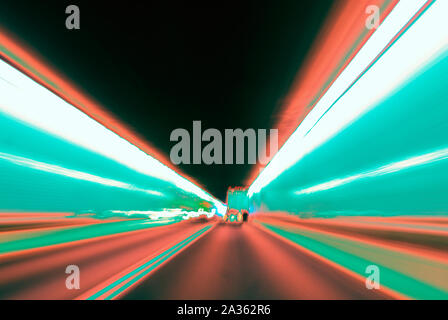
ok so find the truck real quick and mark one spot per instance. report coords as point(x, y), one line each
point(237, 205)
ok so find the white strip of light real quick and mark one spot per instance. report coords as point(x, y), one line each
point(384, 170)
point(55, 169)
point(425, 39)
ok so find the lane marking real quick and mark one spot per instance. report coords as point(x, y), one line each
point(135, 276)
point(385, 290)
point(395, 280)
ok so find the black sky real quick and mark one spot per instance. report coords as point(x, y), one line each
point(159, 65)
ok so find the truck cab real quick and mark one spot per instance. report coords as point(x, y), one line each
point(237, 205)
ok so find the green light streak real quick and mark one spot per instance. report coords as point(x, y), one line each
point(390, 278)
point(149, 266)
point(38, 239)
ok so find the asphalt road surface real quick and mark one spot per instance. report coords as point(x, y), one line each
point(246, 262)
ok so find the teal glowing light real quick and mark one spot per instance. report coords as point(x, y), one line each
point(56, 158)
point(376, 143)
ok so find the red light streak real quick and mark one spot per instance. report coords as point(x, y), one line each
point(340, 39)
point(30, 63)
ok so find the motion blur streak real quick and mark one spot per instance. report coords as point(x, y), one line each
point(103, 252)
point(342, 36)
point(361, 181)
point(410, 71)
point(25, 60)
point(71, 173)
point(130, 279)
point(75, 192)
point(417, 268)
point(25, 100)
point(362, 85)
point(387, 169)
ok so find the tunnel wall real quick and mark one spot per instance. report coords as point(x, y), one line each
point(53, 158)
point(391, 159)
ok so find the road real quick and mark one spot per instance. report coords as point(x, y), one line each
point(273, 256)
point(244, 262)
point(39, 273)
